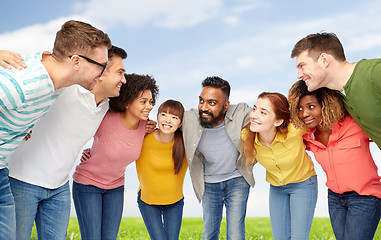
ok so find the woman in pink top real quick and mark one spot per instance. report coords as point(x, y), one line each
point(342, 149)
point(98, 186)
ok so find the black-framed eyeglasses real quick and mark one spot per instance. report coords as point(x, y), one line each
point(93, 62)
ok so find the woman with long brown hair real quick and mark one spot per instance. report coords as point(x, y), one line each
point(161, 169)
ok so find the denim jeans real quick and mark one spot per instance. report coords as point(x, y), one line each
point(232, 193)
point(353, 216)
point(99, 211)
point(292, 208)
point(49, 208)
point(7, 207)
point(163, 222)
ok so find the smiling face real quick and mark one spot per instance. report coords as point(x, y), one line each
point(114, 79)
point(310, 111)
point(312, 72)
point(168, 123)
point(141, 106)
point(90, 72)
point(212, 106)
point(263, 118)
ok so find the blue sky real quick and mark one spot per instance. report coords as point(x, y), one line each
point(247, 42)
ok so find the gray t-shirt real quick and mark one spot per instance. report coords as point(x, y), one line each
point(220, 155)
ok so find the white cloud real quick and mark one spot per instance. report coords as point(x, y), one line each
point(164, 13)
point(243, 6)
point(365, 42)
point(34, 38)
point(232, 20)
point(357, 30)
point(247, 94)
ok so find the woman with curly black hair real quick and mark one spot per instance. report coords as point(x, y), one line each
point(98, 186)
point(342, 149)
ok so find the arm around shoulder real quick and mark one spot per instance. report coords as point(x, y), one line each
point(376, 77)
point(10, 59)
point(247, 110)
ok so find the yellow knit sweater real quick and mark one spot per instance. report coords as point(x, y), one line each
point(155, 168)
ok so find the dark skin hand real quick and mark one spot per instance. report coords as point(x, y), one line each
point(150, 127)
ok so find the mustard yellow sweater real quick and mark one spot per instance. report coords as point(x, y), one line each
point(155, 168)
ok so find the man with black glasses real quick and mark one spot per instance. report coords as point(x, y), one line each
point(28, 94)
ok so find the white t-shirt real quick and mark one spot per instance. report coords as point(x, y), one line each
point(47, 158)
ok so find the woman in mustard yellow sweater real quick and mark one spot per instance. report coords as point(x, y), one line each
point(161, 169)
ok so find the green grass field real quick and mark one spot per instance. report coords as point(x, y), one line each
point(256, 228)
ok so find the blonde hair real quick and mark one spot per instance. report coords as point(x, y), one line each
point(332, 108)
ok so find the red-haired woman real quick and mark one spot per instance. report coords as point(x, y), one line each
point(278, 146)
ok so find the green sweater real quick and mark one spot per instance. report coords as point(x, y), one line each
point(362, 97)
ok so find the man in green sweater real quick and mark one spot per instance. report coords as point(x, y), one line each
point(321, 62)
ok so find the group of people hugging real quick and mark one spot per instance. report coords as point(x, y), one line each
point(52, 104)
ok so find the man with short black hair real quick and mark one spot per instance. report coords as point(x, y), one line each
point(214, 149)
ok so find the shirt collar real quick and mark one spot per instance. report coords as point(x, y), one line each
point(278, 138)
point(229, 113)
point(336, 127)
point(256, 140)
point(310, 134)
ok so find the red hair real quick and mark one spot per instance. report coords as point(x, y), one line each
point(282, 112)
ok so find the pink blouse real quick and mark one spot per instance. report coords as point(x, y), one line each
point(346, 160)
point(114, 148)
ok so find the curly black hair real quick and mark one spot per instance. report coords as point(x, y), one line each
point(332, 108)
point(135, 85)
